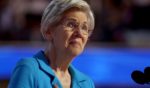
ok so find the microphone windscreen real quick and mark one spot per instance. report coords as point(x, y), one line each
point(147, 73)
point(138, 77)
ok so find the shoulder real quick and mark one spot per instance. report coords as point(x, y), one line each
point(88, 82)
point(29, 62)
point(27, 65)
point(23, 75)
point(78, 73)
point(84, 76)
point(85, 80)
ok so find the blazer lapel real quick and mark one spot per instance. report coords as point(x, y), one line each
point(44, 66)
point(78, 80)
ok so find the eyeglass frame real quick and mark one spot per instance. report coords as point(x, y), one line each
point(75, 25)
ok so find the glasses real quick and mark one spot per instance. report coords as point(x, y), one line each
point(73, 25)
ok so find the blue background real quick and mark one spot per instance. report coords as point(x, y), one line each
point(104, 65)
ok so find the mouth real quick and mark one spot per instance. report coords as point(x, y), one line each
point(75, 42)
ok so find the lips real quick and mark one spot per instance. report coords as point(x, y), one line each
point(75, 41)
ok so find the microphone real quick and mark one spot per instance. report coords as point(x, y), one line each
point(147, 73)
point(141, 77)
point(138, 77)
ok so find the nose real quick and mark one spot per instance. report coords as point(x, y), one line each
point(78, 33)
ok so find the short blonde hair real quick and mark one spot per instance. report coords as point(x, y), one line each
point(55, 8)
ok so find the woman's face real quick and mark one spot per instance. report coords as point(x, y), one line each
point(71, 34)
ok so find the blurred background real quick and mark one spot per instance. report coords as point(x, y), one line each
point(119, 45)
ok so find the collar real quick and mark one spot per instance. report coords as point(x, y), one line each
point(77, 77)
point(43, 63)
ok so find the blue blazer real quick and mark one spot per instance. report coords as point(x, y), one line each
point(36, 73)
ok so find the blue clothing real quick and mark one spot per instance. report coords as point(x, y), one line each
point(36, 73)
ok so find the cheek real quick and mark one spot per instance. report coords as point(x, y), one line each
point(62, 38)
point(67, 36)
point(85, 39)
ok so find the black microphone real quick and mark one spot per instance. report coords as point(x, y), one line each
point(147, 74)
point(141, 77)
point(138, 77)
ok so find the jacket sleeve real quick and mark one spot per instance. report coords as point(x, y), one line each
point(22, 77)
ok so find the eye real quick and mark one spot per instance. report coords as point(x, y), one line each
point(71, 24)
point(85, 28)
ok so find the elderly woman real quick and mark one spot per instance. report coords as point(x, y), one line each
point(66, 26)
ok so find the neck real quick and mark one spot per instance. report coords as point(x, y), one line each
point(59, 61)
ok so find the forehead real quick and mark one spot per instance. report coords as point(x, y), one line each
point(75, 14)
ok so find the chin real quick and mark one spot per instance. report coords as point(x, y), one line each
point(75, 49)
point(75, 52)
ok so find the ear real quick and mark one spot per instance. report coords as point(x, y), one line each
point(48, 35)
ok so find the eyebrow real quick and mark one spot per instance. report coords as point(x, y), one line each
point(74, 19)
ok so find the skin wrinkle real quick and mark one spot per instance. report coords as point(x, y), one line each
point(65, 42)
point(65, 45)
point(65, 4)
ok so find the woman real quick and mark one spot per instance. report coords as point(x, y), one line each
point(66, 26)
